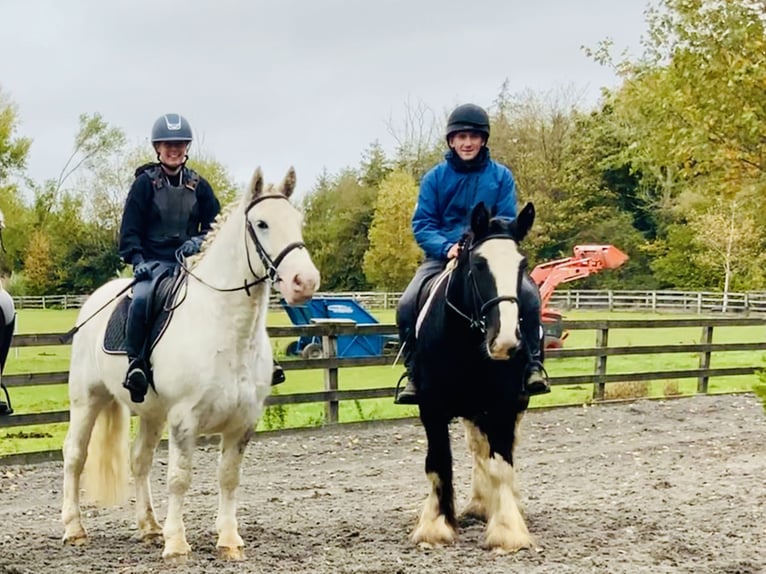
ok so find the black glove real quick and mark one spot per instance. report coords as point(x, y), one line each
point(142, 271)
point(191, 246)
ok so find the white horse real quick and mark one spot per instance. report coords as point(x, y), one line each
point(212, 369)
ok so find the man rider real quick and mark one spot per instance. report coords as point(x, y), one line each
point(448, 193)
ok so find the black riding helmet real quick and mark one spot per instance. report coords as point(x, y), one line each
point(171, 128)
point(468, 117)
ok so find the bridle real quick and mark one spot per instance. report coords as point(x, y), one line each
point(477, 319)
point(270, 265)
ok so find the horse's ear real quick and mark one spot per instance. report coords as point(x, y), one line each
point(524, 221)
point(480, 220)
point(288, 184)
point(256, 184)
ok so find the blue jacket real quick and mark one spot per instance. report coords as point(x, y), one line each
point(447, 197)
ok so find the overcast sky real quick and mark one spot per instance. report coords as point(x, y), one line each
point(309, 83)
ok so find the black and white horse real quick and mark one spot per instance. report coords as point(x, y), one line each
point(470, 363)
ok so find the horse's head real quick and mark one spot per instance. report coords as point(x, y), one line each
point(274, 226)
point(492, 269)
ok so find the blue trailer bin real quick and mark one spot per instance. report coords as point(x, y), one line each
point(337, 308)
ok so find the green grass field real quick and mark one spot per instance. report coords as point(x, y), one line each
point(53, 398)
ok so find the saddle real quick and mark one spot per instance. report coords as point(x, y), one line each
point(159, 309)
point(428, 289)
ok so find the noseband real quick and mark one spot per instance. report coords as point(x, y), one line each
point(270, 265)
point(477, 319)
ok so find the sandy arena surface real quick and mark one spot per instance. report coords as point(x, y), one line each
point(652, 486)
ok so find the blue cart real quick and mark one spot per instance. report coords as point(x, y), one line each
point(348, 345)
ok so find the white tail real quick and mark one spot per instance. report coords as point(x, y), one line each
point(105, 475)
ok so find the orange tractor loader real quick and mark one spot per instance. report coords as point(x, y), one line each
point(587, 259)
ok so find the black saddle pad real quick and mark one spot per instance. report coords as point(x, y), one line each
point(164, 288)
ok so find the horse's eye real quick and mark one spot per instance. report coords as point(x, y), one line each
point(261, 224)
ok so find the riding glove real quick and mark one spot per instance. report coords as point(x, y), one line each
point(142, 271)
point(191, 246)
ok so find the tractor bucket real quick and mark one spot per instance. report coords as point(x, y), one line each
point(609, 256)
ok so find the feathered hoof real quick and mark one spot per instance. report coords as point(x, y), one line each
point(474, 511)
point(434, 533)
point(505, 541)
point(231, 554)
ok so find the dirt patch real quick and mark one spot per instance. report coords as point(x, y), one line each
point(661, 487)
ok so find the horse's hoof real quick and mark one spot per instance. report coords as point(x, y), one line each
point(507, 543)
point(435, 533)
point(79, 538)
point(76, 541)
point(176, 554)
point(232, 554)
point(175, 558)
point(152, 537)
point(474, 511)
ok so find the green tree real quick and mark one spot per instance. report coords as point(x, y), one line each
point(393, 255)
point(338, 213)
point(13, 156)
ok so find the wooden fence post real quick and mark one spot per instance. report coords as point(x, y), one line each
point(702, 380)
point(330, 351)
point(599, 384)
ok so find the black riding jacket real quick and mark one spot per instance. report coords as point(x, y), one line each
point(142, 216)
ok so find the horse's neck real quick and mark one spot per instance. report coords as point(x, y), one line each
point(224, 264)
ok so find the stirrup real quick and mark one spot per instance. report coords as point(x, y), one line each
point(405, 396)
point(277, 374)
point(136, 382)
point(543, 387)
point(5, 407)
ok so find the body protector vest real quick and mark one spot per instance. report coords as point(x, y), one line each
point(175, 205)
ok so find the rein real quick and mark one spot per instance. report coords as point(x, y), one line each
point(269, 264)
point(478, 317)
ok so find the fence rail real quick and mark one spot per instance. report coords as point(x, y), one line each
point(613, 300)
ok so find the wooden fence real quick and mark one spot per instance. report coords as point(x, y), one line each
point(698, 302)
point(331, 396)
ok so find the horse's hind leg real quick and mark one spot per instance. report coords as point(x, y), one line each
point(183, 432)
point(437, 524)
point(82, 416)
point(506, 529)
point(142, 454)
point(230, 544)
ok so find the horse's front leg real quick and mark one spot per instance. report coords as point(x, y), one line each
point(142, 455)
point(437, 524)
point(506, 528)
point(181, 449)
point(478, 446)
point(230, 544)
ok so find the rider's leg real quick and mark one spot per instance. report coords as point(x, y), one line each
point(137, 380)
point(406, 316)
point(536, 379)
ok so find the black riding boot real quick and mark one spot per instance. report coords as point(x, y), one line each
point(277, 374)
point(136, 381)
point(536, 382)
point(409, 394)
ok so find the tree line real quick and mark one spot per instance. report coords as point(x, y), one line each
point(669, 167)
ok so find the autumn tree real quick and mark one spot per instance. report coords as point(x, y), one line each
point(393, 255)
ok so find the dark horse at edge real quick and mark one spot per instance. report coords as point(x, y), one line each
point(470, 360)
